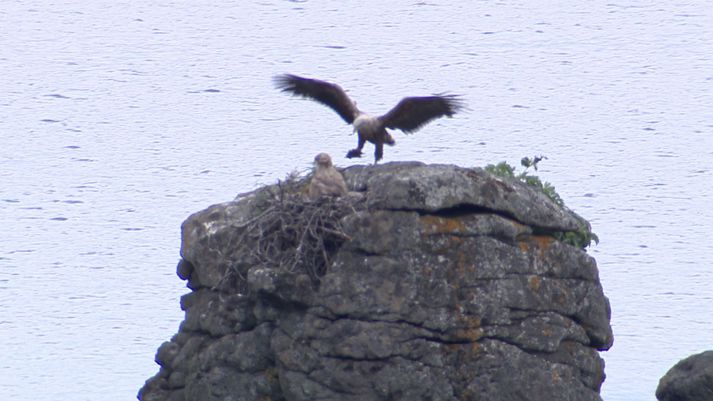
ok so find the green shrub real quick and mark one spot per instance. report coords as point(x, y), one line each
point(581, 238)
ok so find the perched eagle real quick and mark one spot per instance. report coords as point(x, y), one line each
point(410, 114)
point(326, 181)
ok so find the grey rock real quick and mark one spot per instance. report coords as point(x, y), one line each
point(446, 287)
point(441, 187)
point(691, 379)
point(215, 313)
point(287, 286)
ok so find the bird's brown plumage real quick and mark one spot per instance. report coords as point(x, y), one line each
point(329, 94)
point(412, 113)
point(409, 115)
point(326, 181)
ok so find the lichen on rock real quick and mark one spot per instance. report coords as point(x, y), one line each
point(437, 282)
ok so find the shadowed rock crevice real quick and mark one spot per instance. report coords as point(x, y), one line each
point(435, 282)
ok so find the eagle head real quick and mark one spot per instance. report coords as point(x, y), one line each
point(323, 160)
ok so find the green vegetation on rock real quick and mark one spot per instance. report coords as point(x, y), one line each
point(581, 238)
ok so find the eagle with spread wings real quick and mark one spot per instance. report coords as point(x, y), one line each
point(409, 115)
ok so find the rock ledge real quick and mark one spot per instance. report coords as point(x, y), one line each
point(691, 379)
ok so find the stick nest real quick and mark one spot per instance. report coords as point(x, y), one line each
point(291, 233)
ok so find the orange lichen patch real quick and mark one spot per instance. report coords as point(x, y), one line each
point(534, 283)
point(541, 242)
point(473, 348)
point(470, 334)
point(462, 266)
point(442, 225)
point(471, 327)
point(524, 246)
point(447, 247)
point(467, 349)
point(462, 354)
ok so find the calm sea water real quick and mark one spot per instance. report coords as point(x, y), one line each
point(118, 119)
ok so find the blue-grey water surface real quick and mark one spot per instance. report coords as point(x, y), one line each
point(118, 119)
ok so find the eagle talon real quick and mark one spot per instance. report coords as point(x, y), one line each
point(354, 153)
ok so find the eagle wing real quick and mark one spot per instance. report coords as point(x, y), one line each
point(329, 94)
point(412, 113)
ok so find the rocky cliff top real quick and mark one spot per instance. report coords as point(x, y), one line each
point(426, 282)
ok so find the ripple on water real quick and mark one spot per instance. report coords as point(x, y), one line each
point(616, 97)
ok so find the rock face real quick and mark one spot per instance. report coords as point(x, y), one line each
point(446, 286)
point(691, 379)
